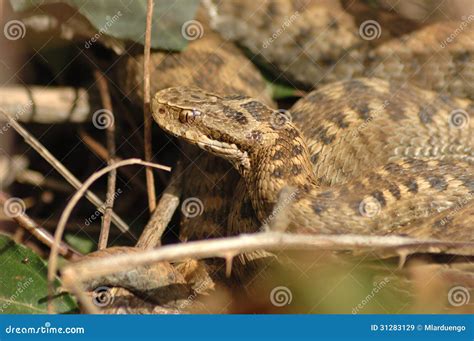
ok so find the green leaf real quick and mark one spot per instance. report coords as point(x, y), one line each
point(23, 285)
point(126, 19)
point(81, 243)
point(281, 91)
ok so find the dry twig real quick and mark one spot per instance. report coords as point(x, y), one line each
point(28, 224)
point(102, 152)
point(53, 257)
point(150, 181)
point(272, 241)
point(112, 179)
point(151, 235)
point(61, 169)
point(45, 105)
point(229, 247)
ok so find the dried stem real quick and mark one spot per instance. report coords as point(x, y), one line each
point(224, 247)
point(28, 224)
point(102, 152)
point(61, 169)
point(37, 179)
point(150, 181)
point(151, 235)
point(112, 178)
point(46, 105)
point(53, 257)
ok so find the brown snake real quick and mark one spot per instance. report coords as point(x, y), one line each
point(351, 147)
point(217, 66)
point(396, 145)
point(317, 41)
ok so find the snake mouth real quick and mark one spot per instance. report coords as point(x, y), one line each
point(228, 151)
point(217, 147)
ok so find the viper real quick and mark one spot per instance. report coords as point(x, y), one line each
point(374, 158)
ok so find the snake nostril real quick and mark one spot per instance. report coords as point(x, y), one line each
point(162, 110)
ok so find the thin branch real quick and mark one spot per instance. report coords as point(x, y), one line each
point(272, 241)
point(151, 235)
point(102, 152)
point(53, 257)
point(47, 105)
point(112, 178)
point(61, 169)
point(34, 178)
point(150, 181)
point(28, 224)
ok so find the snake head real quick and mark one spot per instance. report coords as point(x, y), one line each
point(223, 126)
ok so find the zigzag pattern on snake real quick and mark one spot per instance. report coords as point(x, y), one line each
point(401, 149)
point(215, 186)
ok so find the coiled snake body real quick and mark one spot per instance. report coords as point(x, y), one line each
point(348, 129)
point(383, 147)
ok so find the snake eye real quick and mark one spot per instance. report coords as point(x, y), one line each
point(189, 116)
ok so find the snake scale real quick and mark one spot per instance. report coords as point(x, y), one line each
point(361, 155)
point(311, 42)
point(415, 133)
point(347, 129)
